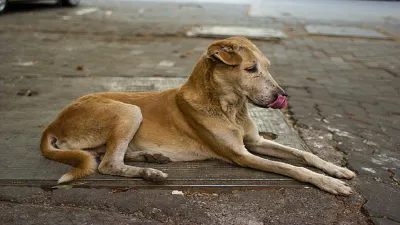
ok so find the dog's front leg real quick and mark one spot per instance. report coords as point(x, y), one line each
point(326, 183)
point(265, 147)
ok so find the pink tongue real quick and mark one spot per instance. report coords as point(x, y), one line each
point(280, 103)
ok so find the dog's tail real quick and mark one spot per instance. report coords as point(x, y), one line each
point(84, 162)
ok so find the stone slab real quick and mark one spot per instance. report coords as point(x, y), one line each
point(13, 214)
point(383, 221)
point(229, 31)
point(23, 194)
point(24, 118)
point(383, 199)
point(344, 32)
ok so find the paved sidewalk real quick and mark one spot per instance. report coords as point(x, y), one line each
point(22, 205)
point(344, 102)
point(347, 93)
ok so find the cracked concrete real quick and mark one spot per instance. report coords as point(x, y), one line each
point(102, 206)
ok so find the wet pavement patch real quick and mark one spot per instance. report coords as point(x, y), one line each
point(325, 30)
point(229, 31)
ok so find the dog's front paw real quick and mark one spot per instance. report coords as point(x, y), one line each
point(337, 171)
point(345, 173)
point(332, 185)
point(154, 175)
point(341, 172)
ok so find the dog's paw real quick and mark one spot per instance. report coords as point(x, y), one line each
point(157, 158)
point(332, 185)
point(337, 171)
point(154, 175)
point(340, 172)
point(345, 173)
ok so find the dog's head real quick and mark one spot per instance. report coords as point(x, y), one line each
point(243, 68)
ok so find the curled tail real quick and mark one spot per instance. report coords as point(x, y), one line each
point(84, 162)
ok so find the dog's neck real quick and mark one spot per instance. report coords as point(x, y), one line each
point(202, 90)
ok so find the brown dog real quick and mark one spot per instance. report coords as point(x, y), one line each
point(205, 118)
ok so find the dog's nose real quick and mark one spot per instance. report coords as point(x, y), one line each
point(282, 92)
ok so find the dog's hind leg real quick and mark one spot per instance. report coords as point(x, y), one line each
point(91, 125)
point(117, 144)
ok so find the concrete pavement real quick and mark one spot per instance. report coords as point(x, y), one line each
point(343, 103)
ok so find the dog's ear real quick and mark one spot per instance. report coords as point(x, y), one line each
point(224, 52)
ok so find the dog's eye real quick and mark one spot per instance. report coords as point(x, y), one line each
point(252, 69)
